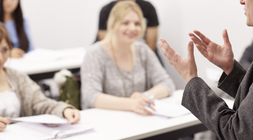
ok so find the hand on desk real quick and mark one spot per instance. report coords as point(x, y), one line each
point(140, 102)
point(3, 123)
point(72, 115)
point(17, 53)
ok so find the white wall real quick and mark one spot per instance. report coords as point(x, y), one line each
point(60, 24)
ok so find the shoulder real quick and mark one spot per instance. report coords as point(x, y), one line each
point(108, 7)
point(95, 51)
point(15, 75)
point(9, 24)
point(145, 4)
point(141, 46)
point(11, 71)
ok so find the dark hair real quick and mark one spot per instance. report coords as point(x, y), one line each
point(4, 35)
point(19, 23)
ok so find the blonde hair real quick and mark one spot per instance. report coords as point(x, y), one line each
point(118, 12)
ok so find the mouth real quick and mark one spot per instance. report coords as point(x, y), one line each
point(131, 35)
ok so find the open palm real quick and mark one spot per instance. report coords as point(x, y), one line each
point(186, 67)
point(221, 56)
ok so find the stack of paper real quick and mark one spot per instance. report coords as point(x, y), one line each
point(42, 127)
point(168, 109)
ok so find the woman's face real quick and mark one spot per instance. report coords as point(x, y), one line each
point(248, 7)
point(10, 5)
point(130, 28)
point(4, 52)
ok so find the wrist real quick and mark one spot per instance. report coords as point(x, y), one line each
point(229, 68)
point(187, 79)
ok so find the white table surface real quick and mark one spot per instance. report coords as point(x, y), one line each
point(114, 125)
point(42, 60)
point(111, 125)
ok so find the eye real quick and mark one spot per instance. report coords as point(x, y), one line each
point(4, 50)
point(137, 23)
point(125, 22)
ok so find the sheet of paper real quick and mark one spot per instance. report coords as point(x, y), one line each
point(36, 131)
point(45, 119)
point(168, 109)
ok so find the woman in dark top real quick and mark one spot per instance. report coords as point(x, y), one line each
point(11, 15)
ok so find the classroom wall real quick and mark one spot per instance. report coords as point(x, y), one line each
point(56, 24)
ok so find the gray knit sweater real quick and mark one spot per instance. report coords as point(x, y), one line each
point(99, 74)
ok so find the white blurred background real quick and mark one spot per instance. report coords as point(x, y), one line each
point(57, 24)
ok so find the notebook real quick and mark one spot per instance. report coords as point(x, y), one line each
point(49, 127)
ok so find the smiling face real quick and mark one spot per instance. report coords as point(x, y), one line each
point(129, 29)
point(248, 7)
point(125, 22)
point(9, 6)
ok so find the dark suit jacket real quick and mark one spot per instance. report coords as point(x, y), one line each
point(247, 57)
point(228, 124)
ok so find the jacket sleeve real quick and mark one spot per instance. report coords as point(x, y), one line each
point(247, 57)
point(230, 83)
point(213, 112)
point(34, 102)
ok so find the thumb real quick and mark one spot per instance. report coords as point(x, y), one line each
point(190, 50)
point(225, 38)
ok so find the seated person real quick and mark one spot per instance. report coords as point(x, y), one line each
point(149, 13)
point(247, 57)
point(20, 96)
point(17, 27)
point(118, 70)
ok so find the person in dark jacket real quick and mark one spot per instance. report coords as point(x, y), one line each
point(211, 110)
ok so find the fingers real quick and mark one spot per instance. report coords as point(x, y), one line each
point(17, 53)
point(226, 38)
point(5, 120)
point(76, 117)
point(205, 40)
point(72, 115)
point(3, 123)
point(2, 126)
point(143, 110)
point(201, 45)
point(166, 49)
point(190, 50)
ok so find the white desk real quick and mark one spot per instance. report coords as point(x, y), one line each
point(41, 64)
point(112, 125)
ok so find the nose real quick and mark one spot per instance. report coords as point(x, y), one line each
point(242, 2)
point(132, 26)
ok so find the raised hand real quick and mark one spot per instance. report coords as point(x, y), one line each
point(221, 56)
point(186, 67)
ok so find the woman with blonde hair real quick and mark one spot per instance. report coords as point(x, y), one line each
point(120, 73)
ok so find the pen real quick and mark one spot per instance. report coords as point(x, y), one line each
point(151, 97)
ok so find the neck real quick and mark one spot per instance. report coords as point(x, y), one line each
point(8, 17)
point(2, 74)
point(120, 47)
